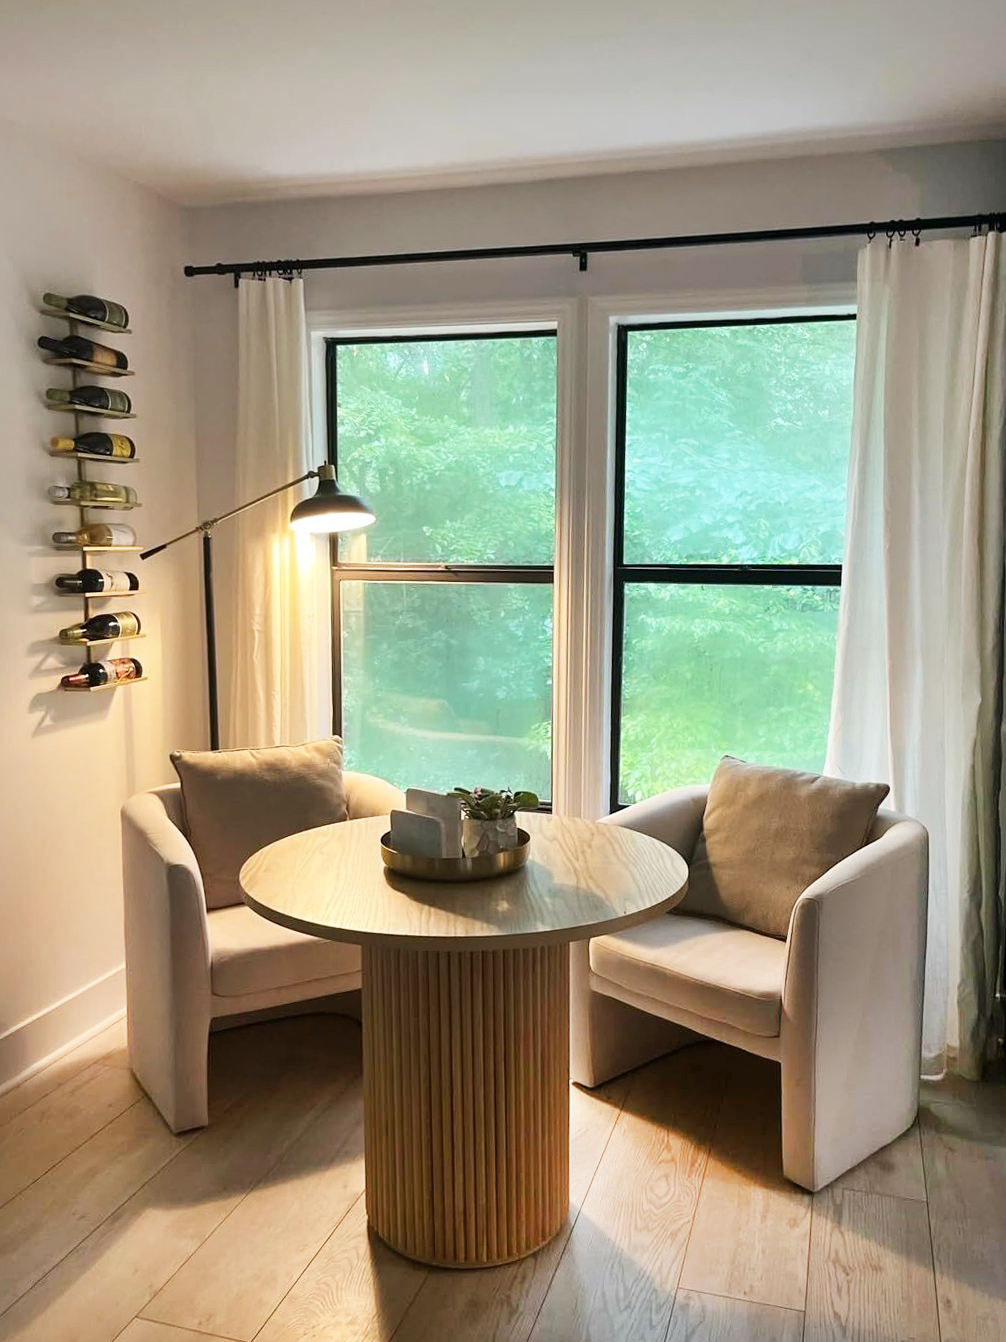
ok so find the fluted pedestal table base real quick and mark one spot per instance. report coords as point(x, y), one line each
point(466, 1100)
point(466, 1016)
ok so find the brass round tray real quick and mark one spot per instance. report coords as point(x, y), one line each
point(456, 868)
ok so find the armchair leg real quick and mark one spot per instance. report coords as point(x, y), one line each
point(830, 1125)
point(172, 1067)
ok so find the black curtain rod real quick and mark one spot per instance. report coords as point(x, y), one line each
point(893, 228)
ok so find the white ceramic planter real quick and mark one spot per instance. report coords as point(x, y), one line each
point(482, 837)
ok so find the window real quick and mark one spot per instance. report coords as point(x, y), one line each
point(443, 608)
point(732, 445)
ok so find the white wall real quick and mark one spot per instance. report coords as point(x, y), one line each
point(69, 761)
point(939, 180)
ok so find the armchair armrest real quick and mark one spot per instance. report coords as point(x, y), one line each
point(367, 795)
point(167, 960)
point(851, 1030)
point(608, 1036)
point(674, 817)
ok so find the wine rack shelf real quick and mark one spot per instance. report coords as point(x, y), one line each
point(105, 549)
point(70, 409)
point(104, 457)
point(100, 642)
point(62, 316)
point(100, 596)
point(98, 369)
point(95, 689)
point(108, 507)
point(81, 370)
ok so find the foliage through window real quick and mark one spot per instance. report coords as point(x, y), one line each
point(732, 453)
point(444, 605)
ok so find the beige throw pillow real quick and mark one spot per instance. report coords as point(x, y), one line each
point(769, 833)
point(237, 801)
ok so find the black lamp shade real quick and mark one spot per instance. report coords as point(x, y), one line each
point(329, 509)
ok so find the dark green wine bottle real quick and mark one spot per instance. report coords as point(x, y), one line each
point(98, 398)
point(115, 445)
point(93, 674)
point(88, 351)
point(87, 305)
point(96, 580)
point(116, 624)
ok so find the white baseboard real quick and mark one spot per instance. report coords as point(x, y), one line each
point(38, 1041)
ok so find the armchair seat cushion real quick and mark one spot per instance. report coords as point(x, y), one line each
point(249, 954)
point(710, 968)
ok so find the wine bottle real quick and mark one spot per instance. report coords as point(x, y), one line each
point(96, 445)
point(87, 493)
point(76, 347)
point(96, 580)
point(116, 624)
point(97, 533)
point(112, 672)
point(98, 398)
point(87, 305)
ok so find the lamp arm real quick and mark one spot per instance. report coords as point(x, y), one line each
point(211, 522)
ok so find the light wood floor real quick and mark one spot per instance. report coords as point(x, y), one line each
point(681, 1228)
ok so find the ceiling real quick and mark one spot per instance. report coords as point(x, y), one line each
point(215, 100)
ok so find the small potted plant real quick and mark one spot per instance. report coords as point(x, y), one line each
point(489, 822)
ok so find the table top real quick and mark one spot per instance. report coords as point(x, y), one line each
point(581, 879)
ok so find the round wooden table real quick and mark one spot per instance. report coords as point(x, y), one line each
point(466, 1017)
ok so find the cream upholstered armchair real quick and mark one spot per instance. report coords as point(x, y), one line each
point(188, 966)
point(838, 1003)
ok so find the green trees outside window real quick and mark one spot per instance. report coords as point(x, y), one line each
point(734, 450)
point(448, 684)
point(453, 442)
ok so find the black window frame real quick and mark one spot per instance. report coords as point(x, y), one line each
point(384, 571)
point(751, 575)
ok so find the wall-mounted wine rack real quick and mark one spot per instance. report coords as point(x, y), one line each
point(78, 368)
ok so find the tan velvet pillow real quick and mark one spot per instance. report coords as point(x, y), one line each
point(769, 833)
point(237, 801)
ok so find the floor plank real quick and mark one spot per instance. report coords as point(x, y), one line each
point(500, 1304)
point(964, 1146)
point(142, 1330)
point(871, 1270)
point(355, 1290)
point(51, 1217)
point(58, 1123)
point(209, 1230)
point(751, 1233)
point(113, 1045)
point(108, 1046)
point(714, 1318)
point(235, 1280)
point(620, 1268)
point(895, 1170)
point(98, 1288)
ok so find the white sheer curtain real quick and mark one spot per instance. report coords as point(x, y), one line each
point(919, 674)
point(281, 670)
